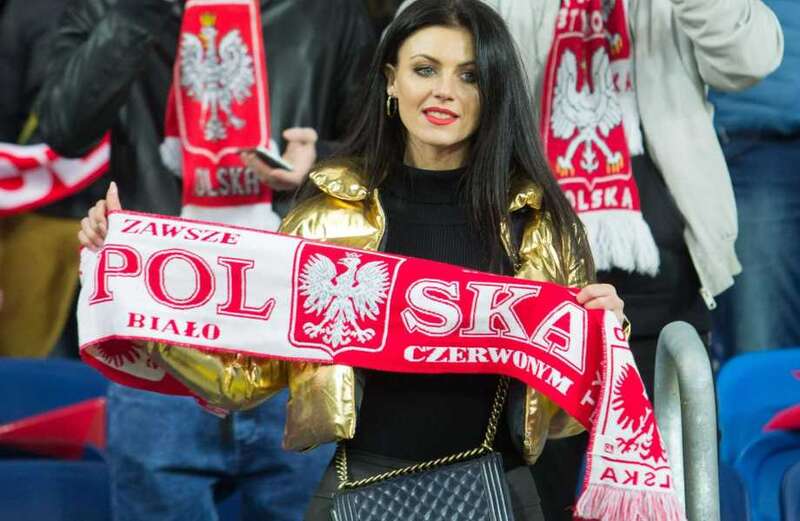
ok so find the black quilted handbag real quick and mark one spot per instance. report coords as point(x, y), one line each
point(469, 486)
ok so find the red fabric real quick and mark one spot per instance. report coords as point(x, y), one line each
point(61, 433)
point(582, 117)
point(34, 175)
point(787, 419)
point(219, 102)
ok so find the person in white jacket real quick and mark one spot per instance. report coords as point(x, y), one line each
point(678, 49)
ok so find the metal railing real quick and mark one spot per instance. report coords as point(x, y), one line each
point(687, 416)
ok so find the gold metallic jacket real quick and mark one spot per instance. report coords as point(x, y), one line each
point(323, 398)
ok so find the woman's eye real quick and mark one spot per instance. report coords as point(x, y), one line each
point(469, 77)
point(425, 70)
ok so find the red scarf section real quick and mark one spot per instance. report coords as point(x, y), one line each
point(34, 175)
point(589, 123)
point(226, 289)
point(218, 104)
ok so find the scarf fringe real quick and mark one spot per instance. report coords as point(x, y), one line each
point(610, 503)
point(171, 153)
point(621, 239)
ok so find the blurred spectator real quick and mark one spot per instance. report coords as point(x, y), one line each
point(37, 290)
point(24, 33)
point(760, 134)
point(111, 68)
point(381, 12)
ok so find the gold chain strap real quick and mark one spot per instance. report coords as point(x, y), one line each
point(484, 448)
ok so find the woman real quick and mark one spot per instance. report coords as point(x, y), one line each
point(443, 158)
point(684, 189)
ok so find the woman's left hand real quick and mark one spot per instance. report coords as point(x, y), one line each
point(602, 296)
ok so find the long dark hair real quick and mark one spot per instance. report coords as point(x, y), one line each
point(506, 141)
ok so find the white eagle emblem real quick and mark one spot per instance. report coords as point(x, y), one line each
point(344, 298)
point(216, 77)
point(585, 111)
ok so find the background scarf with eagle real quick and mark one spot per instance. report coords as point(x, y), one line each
point(219, 105)
point(590, 129)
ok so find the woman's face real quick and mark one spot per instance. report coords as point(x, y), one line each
point(435, 84)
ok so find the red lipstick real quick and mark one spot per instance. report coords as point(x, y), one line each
point(440, 116)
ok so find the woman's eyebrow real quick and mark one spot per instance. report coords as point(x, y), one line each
point(427, 57)
point(431, 58)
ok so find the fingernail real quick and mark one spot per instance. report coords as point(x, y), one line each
point(112, 187)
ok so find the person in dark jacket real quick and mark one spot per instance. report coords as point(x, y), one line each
point(760, 134)
point(24, 36)
point(111, 68)
point(37, 302)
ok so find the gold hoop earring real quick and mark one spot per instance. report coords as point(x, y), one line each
point(391, 106)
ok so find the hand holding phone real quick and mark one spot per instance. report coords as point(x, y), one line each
point(272, 158)
point(289, 173)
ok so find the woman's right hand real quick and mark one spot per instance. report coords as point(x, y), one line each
point(94, 227)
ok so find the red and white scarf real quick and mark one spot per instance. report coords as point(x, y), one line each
point(590, 129)
point(236, 290)
point(35, 175)
point(219, 105)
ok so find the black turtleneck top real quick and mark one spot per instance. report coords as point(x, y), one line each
point(419, 417)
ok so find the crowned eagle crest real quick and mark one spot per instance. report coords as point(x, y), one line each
point(216, 76)
point(579, 114)
point(342, 298)
point(636, 415)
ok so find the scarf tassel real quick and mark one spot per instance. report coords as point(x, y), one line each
point(609, 503)
point(621, 239)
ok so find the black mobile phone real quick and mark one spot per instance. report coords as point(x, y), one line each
point(272, 159)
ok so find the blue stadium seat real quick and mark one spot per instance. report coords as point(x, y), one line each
point(762, 466)
point(733, 504)
point(35, 490)
point(33, 386)
point(55, 489)
point(751, 388)
point(790, 494)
